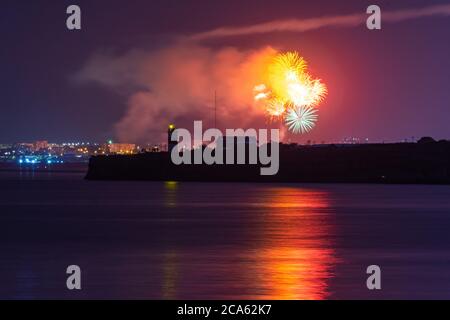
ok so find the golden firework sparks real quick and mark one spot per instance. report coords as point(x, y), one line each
point(289, 87)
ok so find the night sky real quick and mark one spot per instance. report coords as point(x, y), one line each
point(387, 85)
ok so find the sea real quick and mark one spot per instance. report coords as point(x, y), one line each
point(187, 240)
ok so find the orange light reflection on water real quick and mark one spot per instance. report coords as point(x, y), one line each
point(295, 257)
point(285, 252)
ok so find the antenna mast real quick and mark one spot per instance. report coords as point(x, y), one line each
point(215, 109)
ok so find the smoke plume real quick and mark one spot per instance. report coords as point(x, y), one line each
point(178, 84)
point(303, 25)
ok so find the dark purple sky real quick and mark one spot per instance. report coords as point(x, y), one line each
point(385, 85)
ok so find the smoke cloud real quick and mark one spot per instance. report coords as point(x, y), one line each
point(303, 25)
point(177, 85)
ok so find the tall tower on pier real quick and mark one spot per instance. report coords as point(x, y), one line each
point(171, 144)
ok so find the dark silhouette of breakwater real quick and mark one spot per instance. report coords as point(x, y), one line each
point(427, 161)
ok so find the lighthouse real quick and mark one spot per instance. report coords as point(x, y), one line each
point(171, 143)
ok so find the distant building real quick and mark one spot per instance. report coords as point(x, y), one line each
point(56, 149)
point(40, 145)
point(5, 146)
point(24, 148)
point(122, 148)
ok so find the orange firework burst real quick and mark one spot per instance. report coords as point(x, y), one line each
point(276, 107)
point(289, 86)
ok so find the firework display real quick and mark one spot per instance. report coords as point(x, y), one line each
point(301, 119)
point(291, 93)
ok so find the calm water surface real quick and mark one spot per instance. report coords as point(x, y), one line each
point(168, 240)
